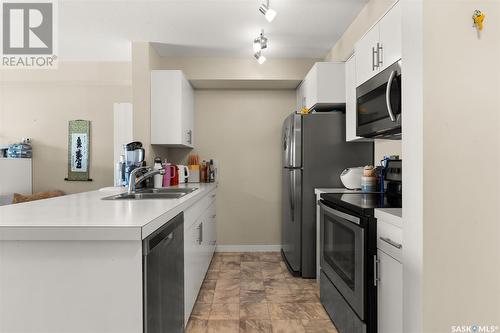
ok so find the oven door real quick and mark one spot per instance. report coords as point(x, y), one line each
point(343, 255)
point(379, 104)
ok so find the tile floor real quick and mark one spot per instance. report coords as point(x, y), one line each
point(254, 292)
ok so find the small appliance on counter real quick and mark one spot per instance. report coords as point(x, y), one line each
point(134, 158)
point(351, 178)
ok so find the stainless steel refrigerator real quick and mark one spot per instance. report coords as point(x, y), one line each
point(314, 154)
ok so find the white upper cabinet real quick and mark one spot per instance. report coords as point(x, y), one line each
point(380, 47)
point(366, 55)
point(350, 101)
point(323, 87)
point(172, 109)
point(390, 37)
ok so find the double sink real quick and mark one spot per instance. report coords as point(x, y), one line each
point(153, 193)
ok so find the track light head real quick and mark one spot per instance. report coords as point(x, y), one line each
point(260, 43)
point(268, 12)
point(260, 57)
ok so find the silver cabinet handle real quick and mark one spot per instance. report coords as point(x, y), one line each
point(375, 270)
point(190, 136)
point(200, 233)
point(388, 96)
point(373, 59)
point(380, 55)
point(391, 242)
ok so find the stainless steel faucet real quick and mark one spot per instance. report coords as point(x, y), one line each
point(133, 181)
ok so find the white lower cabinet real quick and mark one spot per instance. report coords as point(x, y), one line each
point(390, 275)
point(200, 234)
point(390, 294)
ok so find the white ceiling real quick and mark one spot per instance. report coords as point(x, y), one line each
point(103, 29)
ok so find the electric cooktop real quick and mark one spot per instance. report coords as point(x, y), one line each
point(362, 203)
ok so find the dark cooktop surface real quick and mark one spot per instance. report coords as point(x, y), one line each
point(361, 203)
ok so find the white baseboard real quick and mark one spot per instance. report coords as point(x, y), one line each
point(248, 248)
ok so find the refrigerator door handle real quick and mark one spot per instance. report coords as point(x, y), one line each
point(292, 194)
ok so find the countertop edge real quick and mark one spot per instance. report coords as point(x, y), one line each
point(100, 233)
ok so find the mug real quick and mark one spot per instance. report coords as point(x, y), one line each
point(183, 174)
point(169, 174)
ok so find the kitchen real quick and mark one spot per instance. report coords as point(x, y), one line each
point(239, 110)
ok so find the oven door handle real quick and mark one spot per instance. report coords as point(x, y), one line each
point(388, 96)
point(340, 214)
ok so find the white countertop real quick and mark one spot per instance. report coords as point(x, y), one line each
point(84, 216)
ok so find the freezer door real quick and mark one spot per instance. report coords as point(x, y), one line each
point(292, 221)
point(292, 141)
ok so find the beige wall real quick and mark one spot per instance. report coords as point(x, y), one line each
point(368, 16)
point(242, 130)
point(39, 103)
point(344, 48)
point(461, 123)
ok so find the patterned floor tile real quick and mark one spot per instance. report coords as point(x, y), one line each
point(255, 293)
point(225, 311)
point(254, 311)
point(223, 326)
point(255, 326)
point(287, 326)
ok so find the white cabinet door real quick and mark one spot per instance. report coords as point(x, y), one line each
point(172, 110)
point(187, 113)
point(211, 230)
point(390, 36)
point(366, 58)
point(350, 103)
point(390, 294)
point(300, 97)
point(191, 268)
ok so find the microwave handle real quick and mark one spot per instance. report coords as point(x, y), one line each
point(388, 96)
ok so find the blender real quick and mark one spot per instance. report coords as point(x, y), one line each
point(134, 158)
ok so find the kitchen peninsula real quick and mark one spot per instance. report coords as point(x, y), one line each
point(75, 263)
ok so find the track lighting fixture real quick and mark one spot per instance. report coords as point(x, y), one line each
point(260, 57)
point(260, 43)
point(268, 12)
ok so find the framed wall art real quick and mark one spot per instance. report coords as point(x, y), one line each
point(79, 150)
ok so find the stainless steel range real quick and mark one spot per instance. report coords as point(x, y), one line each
point(348, 279)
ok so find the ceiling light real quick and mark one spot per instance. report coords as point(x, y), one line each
point(268, 12)
point(260, 57)
point(260, 43)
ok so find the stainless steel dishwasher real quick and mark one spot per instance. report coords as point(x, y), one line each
point(163, 278)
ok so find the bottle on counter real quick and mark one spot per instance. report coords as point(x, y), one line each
point(120, 172)
point(203, 172)
point(211, 172)
point(158, 179)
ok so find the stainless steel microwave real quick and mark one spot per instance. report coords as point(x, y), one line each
point(378, 105)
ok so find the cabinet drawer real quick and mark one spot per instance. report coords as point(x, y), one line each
point(389, 239)
point(195, 211)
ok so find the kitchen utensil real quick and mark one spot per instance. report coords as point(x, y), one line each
point(351, 178)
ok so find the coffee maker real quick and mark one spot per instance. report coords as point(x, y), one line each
point(134, 158)
point(394, 181)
